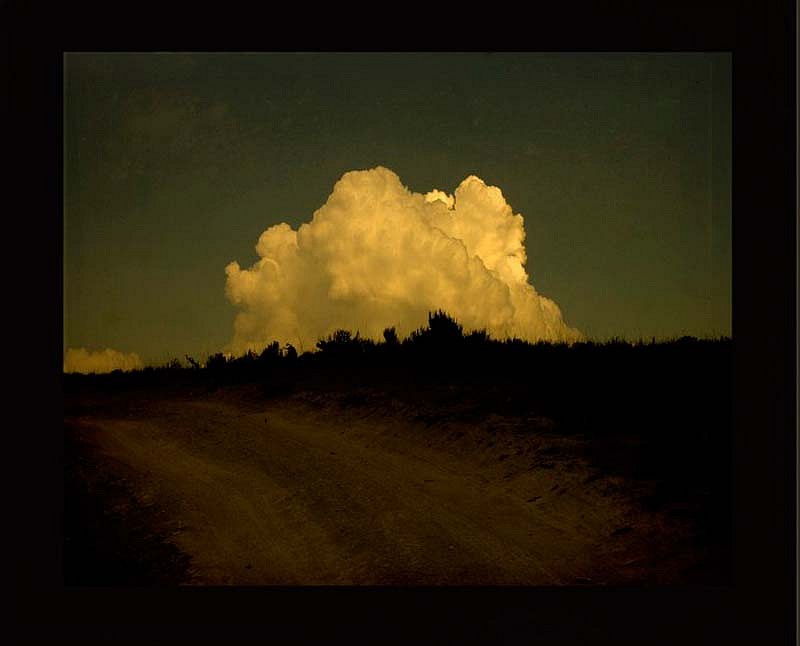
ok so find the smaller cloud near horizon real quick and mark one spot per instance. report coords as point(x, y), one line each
point(102, 361)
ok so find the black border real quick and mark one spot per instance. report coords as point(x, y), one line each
point(758, 608)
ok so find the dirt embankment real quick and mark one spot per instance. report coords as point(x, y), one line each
point(301, 490)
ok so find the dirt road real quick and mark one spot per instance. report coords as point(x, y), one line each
point(288, 494)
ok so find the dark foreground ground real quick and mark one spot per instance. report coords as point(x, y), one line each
point(193, 480)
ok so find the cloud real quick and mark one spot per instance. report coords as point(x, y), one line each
point(377, 255)
point(82, 360)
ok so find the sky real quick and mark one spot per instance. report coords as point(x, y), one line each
point(176, 164)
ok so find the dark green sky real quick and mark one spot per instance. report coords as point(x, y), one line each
point(175, 163)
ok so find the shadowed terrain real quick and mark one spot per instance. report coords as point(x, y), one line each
point(386, 464)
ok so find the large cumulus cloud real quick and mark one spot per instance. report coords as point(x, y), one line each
point(377, 254)
point(85, 361)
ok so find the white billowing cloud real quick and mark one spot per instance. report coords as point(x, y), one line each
point(82, 360)
point(377, 255)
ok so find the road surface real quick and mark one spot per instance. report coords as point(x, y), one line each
point(282, 493)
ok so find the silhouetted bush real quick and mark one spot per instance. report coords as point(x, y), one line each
point(194, 364)
point(271, 352)
point(478, 337)
point(339, 342)
point(390, 336)
point(343, 343)
point(216, 362)
point(444, 328)
point(676, 388)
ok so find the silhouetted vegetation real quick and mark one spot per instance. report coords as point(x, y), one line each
point(659, 411)
point(194, 364)
point(576, 380)
point(674, 396)
point(390, 336)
